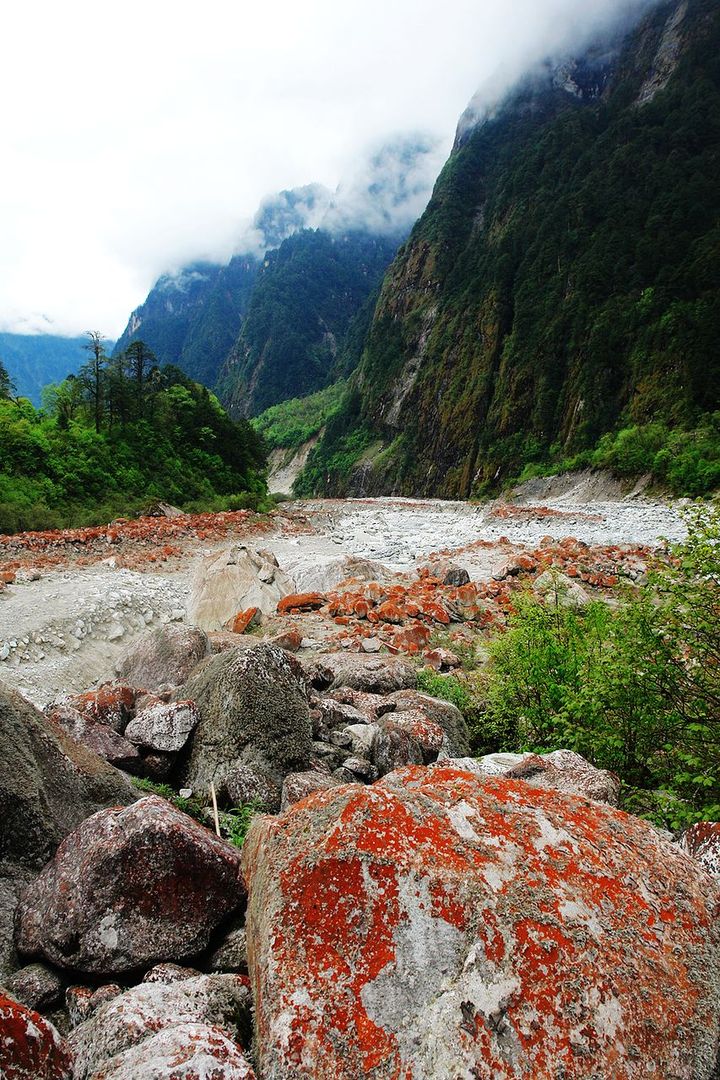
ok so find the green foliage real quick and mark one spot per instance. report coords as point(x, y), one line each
point(547, 296)
point(174, 443)
point(291, 423)
point(237, 821)
point(468, 691)
point(634, 688)
point(193, 807)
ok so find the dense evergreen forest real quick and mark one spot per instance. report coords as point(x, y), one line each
point(558, 304)
point(121, 434)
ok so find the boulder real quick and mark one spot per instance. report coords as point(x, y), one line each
point(244, 785)
point(181, 1052)
point(30, 1047)
point(128, 889)
point(372, 706)
point(131, 1021)
point(164, 657)
point(311, 601)
point(329, 575)
point(163, 727)
point(253, 710)
point(36, 986)
point(429, 736)
point(82, 1001)
point(702, 842)
point(395, 747)
point(100, 738)
point(230, 953)
point(111, 704)
point(13, 879)
point(372, 674)
point(297, 786)
point(560, 590)
point(233, 580)
point(441, 712)
point(49, 783)
point(435, 925)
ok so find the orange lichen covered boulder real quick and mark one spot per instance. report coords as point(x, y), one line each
point(308, 601)
point(244, 619)
point(438, 925)
point(30, 1047)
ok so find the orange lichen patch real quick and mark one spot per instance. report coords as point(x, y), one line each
point(309, 601)
point(30, 1049)
point(433, 924)
point(110, 704)
point(243, 620)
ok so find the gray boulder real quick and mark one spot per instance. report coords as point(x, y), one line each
point(234, 580)
point(165, 727)
point(164, 657)
point(253, 710)
point(372, 674)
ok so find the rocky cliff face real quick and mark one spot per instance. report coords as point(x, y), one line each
point(564, 277)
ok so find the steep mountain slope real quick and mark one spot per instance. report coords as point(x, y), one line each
point(191, 319)
point(298, 334)
point(564, 279)
point(34, 360)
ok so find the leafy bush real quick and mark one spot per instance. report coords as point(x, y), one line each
point(635, 688)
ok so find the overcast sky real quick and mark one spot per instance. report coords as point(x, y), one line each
point(139, 136)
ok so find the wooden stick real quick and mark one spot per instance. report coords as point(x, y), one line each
point(215, 809)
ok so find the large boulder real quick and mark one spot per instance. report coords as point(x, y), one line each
point(129, 888)
point(100, 738)
point(324, 576)
point(187, 1051)
point(253, 710)
point(49, 783)
point(561, 770)
point(30, 1047)
point(234, 580)
point(436, 925)
point(122, 1035)
point(163, 726)
point(164, 657)
point(702, 842)
point(372, 674)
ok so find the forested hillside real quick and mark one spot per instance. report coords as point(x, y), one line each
point(307, 317)
point(118, 436)
point(191, 319)
point(34, 360)
point(559, 300)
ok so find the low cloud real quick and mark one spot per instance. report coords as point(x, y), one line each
point(144, 137)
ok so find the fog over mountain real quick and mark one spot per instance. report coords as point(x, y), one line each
point(111, 181)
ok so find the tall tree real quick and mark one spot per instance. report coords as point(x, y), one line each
point(91, 373)
point(139, 362)
point(7, 388)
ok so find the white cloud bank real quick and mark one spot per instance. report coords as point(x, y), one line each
point(138, 137)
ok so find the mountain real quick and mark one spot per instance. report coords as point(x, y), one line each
point(192, 318)
point(298, 333)
point(563, 284)
point(34, 360)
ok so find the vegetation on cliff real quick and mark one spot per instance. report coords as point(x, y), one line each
point(122, 434)
point(562, 285)
point(306, 319)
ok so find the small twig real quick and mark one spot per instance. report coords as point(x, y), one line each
point(215, 809)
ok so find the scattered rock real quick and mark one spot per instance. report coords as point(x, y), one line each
point(244, 620)
point(439, 711)
point(30, 1047)
point(559, 589)
point(100, 738)
point(310, 601)
point(130, 888)
point(163, 727)
point(442, 659)
point(164, 657)
point(433, 925)
point(253, 710)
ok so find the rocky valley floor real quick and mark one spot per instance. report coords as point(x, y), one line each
point(239, 841)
